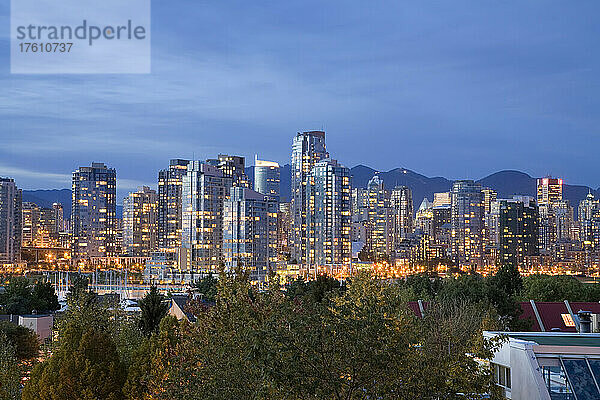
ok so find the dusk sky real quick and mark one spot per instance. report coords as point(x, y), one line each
point(455, 89)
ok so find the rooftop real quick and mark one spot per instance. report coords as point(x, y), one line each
point(556, 338)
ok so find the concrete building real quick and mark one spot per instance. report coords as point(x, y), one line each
point(467, 221)
point(517, 230)
point(94, 212)
point(403, 210)
point(308, 148)
point(41, 226)
point(205, 189)
point(328, 215)
point(11, 199)
point(284, 231)
point(170, 182)
point(380, 220)
point(267, 178)
point(250, 232)
point(442, 199)
point(232, 167)
point(140, 216)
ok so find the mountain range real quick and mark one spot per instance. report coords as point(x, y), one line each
point(506, 183)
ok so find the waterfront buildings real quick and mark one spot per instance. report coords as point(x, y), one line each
point(140, 222)
point(308, 148)
point(328, 218)
point(10, 221)
point(170, 182)
point(204, 191)
point(250, 232)
point(94, 212)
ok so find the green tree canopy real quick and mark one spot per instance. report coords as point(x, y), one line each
point(44, 298)
point(207, 287)
point(21, 297)
point(10, 387)
point(23, 340)
point(153, 308)
point(17, 297)
point(555, 288)
point(362, 342)
point(85, 363)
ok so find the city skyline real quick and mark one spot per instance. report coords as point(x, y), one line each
point(467, 91)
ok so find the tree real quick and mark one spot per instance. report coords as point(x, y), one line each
point(153, 309)
point(147, 377)
point(362, 342)
point(85, 363)
point(553, 288)
point(17, 297)
point(507, 280)
point(10, 387)
point(44, 298)
point(23, 340)
point(452, 341)
point(470, 288)
point(503, 290)
point(207, 287)
point(315, 290)
point(423, 287)
point(21, 298)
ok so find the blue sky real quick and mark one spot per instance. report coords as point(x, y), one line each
point(455, 89)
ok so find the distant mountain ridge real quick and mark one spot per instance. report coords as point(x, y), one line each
point(506, 183)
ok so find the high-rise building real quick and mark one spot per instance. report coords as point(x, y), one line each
point(41, 226)
point(489, 195)
point(30, 223)
point(441, 199)
point(467, 223)
point(266, 178)
point(284, 230)
point(59, 218)
point(250, 232)
point(379, 227)
point(518, 230)
point(424, 218)
point(360, 201)
point(402, 205)
point(169, 205)
point(549, 190)
point(564, 220)
point(308, 148)
point(441, 225)
point(589, 221)
point(549, 193)
point(328, 218)
point(205, 189)
point(589, 228)
point(140, 215)
point(11, 200)
point(94, 212)
point(233, 167)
